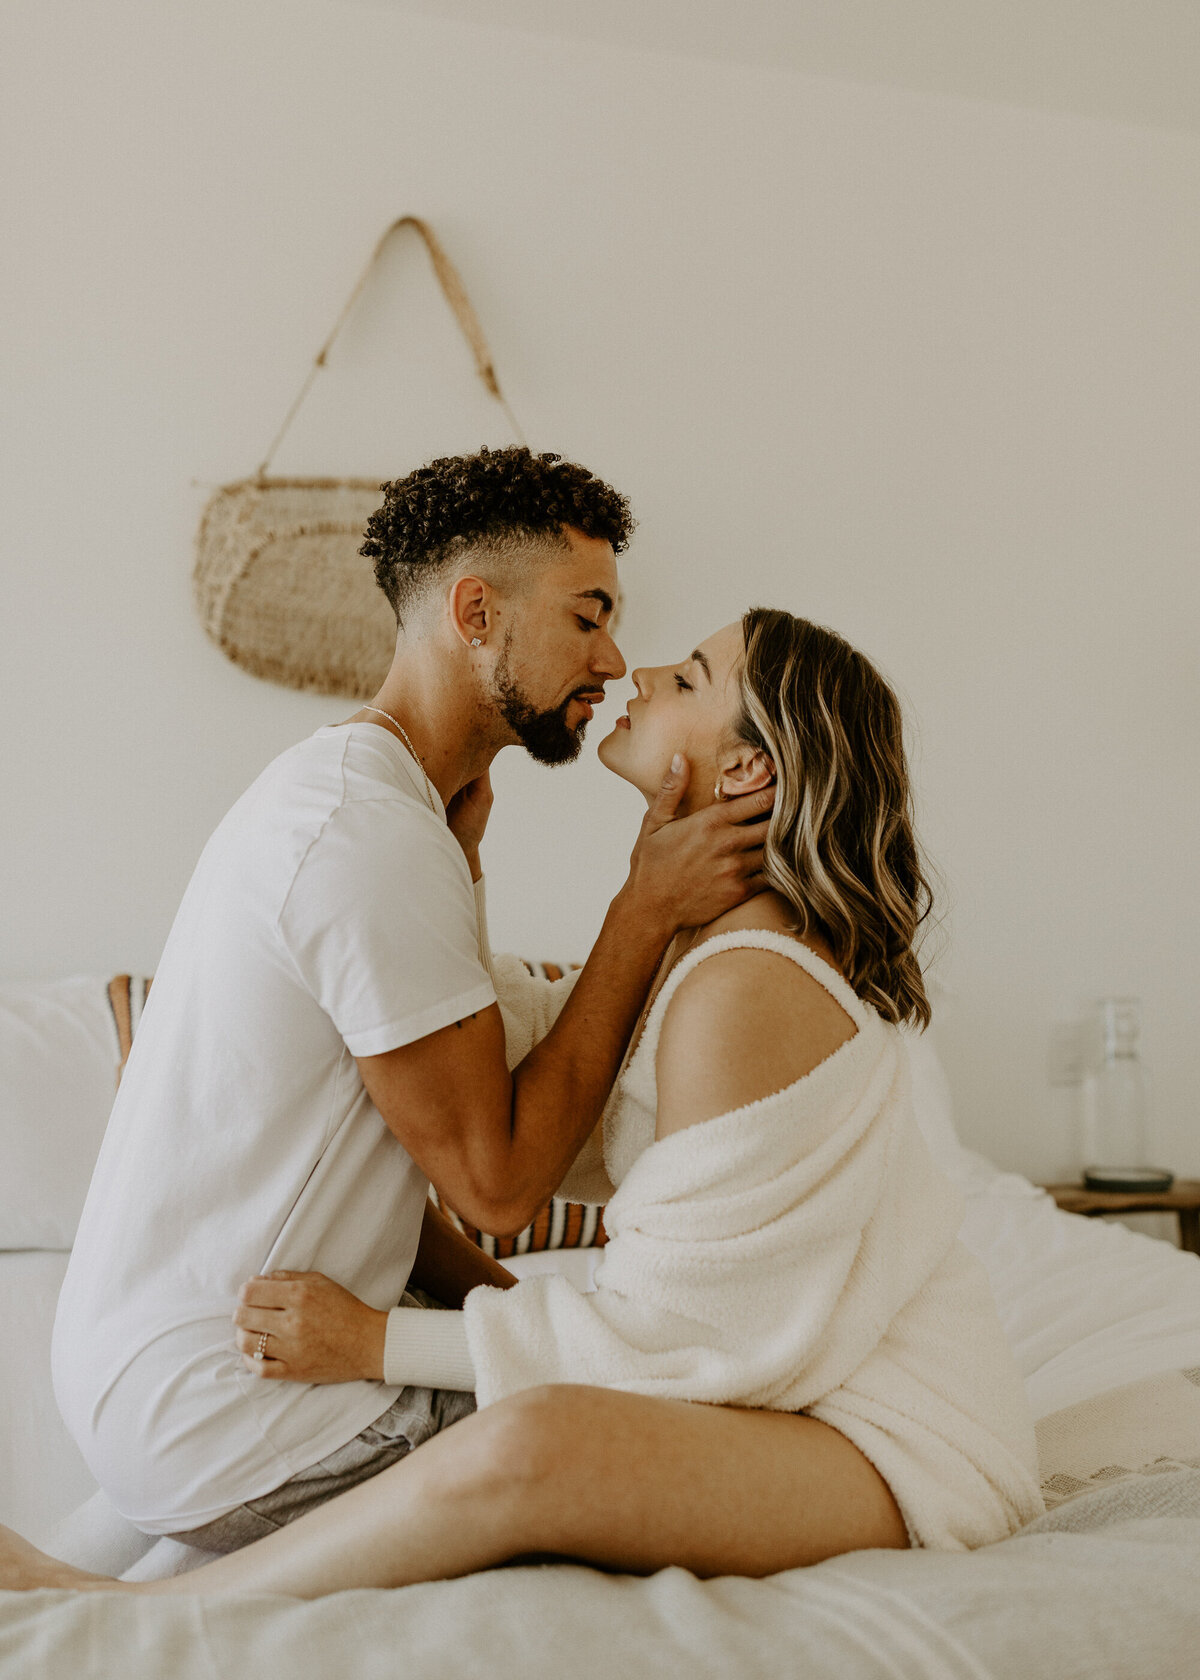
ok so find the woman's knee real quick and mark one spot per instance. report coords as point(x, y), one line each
point(517, 1445)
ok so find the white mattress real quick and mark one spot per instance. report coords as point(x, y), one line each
point(1087, 1306)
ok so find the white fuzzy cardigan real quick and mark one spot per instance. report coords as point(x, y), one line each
point(797, 1253)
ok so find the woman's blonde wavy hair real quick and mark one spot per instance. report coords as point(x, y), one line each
point(840, 844)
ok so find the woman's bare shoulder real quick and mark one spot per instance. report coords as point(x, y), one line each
point(744, 1024)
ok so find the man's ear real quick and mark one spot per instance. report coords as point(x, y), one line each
point(743, 770)
point(470, 605)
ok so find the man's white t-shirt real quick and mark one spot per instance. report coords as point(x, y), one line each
point(331, 916)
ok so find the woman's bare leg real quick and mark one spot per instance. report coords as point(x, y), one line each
point(612, 1479)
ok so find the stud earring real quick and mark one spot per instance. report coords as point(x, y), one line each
point(476, 642)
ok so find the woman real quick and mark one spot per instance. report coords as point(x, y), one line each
point(781, 1245)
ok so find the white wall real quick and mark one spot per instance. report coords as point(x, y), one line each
point(924, 369)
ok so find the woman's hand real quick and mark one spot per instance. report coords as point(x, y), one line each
point(317, 1332)
point(467, 816)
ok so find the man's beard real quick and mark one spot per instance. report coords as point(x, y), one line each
point(545, 736)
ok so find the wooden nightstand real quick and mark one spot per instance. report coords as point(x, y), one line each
point(1182, 1199)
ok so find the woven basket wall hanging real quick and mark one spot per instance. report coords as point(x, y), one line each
point(279, 583)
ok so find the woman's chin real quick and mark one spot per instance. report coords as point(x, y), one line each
point(614, 755)
point(611, 752)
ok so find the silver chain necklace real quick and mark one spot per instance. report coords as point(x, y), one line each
point(412, 750)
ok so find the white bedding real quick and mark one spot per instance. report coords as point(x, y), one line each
point(1087, 1306)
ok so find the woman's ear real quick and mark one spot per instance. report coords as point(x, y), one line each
point(743, 770)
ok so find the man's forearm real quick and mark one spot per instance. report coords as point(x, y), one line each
point(561, 1087)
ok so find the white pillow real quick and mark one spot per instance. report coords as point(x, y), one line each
point(58, 1067)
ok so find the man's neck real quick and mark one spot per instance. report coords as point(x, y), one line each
point(453, 734)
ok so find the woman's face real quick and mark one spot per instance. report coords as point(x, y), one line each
point(688, 708)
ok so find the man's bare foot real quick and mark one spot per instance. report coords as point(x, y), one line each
point(23, 1568)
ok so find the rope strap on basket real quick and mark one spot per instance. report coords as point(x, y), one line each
point(455, 294)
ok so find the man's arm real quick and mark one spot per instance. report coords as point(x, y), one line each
point(497, 1144)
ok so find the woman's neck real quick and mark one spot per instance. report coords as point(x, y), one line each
point(766, 912)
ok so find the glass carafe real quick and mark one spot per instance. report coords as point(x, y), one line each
point(1117, 1102)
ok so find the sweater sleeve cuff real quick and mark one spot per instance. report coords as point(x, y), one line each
point(426, 1347)
point(485, 948)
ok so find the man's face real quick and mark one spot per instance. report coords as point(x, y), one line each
point(557, 653)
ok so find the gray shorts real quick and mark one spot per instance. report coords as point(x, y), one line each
point(414, 1416)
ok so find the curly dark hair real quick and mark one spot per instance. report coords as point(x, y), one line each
point(498, 495)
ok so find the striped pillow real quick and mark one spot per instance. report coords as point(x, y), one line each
point(559, 1225)
point(127, 998)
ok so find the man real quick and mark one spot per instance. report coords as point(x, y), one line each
point(323, 1038)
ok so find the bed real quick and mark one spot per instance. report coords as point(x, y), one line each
point(1104, 1322)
